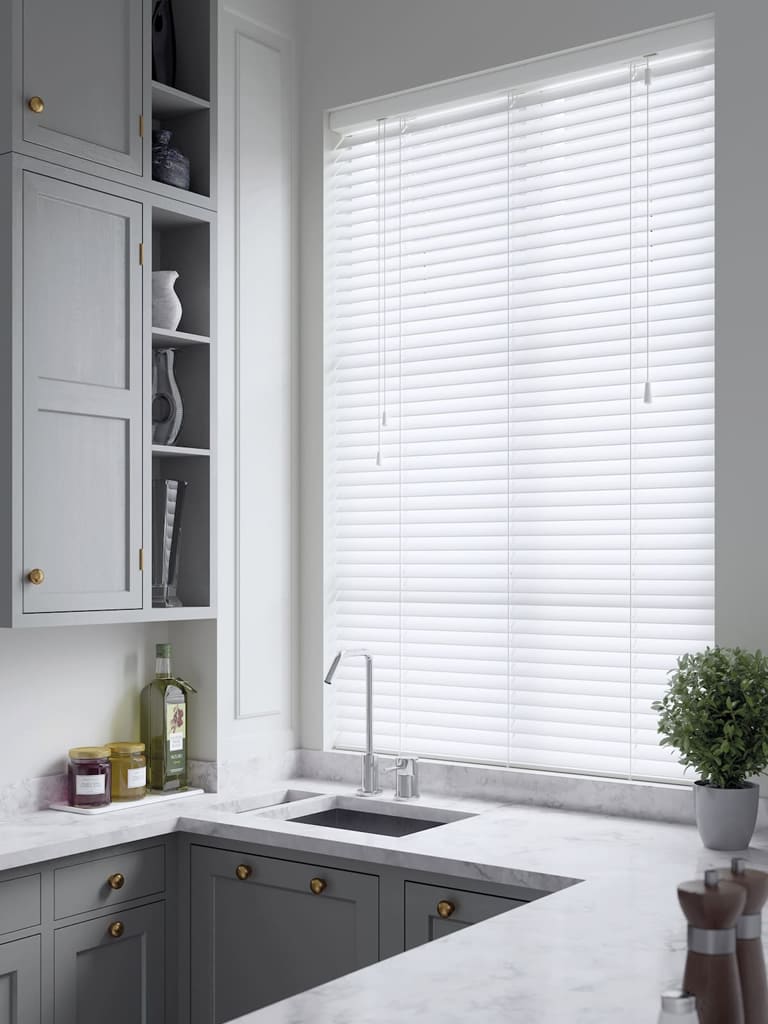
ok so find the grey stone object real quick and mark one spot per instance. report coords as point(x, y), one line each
point(726, 818)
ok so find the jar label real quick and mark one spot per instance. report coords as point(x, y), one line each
point(90, 785)
point(137, 778)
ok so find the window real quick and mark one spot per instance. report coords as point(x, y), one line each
point(516, 264)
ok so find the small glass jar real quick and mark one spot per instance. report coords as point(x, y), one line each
point(129, 771)
point(89, 777)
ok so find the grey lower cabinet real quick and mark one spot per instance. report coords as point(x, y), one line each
point(432, 911)
point(111, 969)
point(263, 929)
point(20, 981)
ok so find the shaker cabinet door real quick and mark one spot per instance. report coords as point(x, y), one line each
point(82, 489)
point(260, 932)
point(20, 981)
point(111, 969)
point(432, 911)
point(82, 59)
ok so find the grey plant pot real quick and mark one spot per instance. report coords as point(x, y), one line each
point(726, 818)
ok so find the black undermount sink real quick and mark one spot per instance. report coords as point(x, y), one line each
point(367, 821)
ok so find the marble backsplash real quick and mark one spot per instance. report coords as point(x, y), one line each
point(616, 797)
point(231, 777)
point(643, 800)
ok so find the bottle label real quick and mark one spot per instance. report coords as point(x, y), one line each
point(90, 785)
point(137, 778)
point(176, 731)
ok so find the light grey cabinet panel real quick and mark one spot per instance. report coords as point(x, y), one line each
point(108, 881)
point(19, 903)
point(111, 969)
point(82, 304)
point(83, 59)
point(20, 981)
point(424, 921)
point(268, 935)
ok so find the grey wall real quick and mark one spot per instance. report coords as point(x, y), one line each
point(351, 50)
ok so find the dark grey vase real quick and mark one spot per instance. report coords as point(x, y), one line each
point(167, 407)
point(167, 509)
point(163, 43)
point(168, 164)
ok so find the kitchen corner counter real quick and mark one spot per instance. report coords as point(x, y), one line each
point(597, 950)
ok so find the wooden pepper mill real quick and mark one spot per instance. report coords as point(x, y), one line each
point(712, 908)
point(749, 943)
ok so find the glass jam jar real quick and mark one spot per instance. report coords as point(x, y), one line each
point(129, 771)
point(90, 777)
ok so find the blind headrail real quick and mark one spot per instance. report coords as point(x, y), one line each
point(524, 76)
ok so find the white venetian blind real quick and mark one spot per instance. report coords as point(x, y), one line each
point(523, 543)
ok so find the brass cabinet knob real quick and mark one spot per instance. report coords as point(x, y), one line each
point(116, 929)
point(36, 576)
point(445, 908)
point(243, 872)
point(318, 885)
point(116, 881)
point(36, 104)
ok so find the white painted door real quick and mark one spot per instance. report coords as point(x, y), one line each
point(82, 398)
point(83, 59)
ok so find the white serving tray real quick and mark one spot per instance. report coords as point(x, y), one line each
point(150, 800)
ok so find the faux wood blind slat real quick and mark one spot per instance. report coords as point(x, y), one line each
point(524, 545)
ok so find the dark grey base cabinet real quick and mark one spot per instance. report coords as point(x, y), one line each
point(20, 981)
point(111, 969)
point(263, 929)
point(432, 911)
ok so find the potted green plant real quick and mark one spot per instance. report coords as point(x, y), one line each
point(715, 713)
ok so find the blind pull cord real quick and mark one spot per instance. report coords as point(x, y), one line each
point(647, 394)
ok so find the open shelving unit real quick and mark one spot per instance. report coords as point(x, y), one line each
point(184, 105)
point(182, 239)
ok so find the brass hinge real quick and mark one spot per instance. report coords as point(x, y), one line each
point(141, 559)
point(141, 254)
point(141, 126)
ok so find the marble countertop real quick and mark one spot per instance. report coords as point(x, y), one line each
point(597, 951)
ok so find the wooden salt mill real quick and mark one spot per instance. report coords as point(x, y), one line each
point(712, 908)
point(749, 944)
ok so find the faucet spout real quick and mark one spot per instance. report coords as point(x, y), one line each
point(370, 768)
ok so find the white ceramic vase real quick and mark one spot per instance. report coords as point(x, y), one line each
point(166, 308)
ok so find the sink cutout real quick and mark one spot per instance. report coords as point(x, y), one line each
point(367, 821)
point(364, 814)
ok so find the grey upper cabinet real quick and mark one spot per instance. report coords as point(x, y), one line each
point(82, 415)
point(20, 981)
point(432, 911)
point(111, 969)
point(263, 929)
point(82, 79)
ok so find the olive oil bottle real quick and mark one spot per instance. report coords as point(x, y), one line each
point(164, 725)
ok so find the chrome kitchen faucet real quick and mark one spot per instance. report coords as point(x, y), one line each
point(370, 769)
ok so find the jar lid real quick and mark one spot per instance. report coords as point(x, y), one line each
point(89, 753)
point(162, 650)
point(677, 1001)
point(127, 748)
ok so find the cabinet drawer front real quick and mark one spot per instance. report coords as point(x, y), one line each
point(424, 921)
point(109, 881)
point(19, 903)
point(111, 968)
